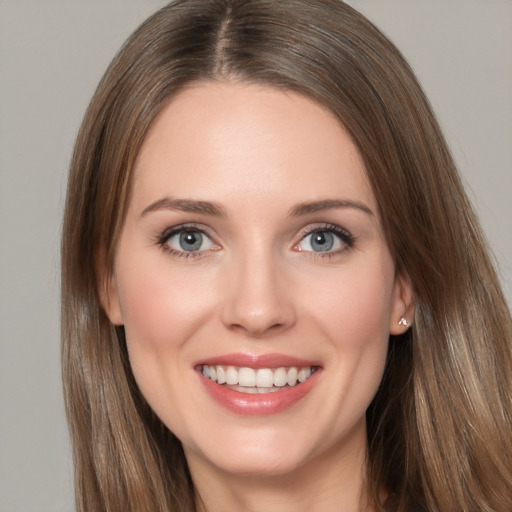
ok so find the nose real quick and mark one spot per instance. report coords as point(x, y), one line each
point(259, 300)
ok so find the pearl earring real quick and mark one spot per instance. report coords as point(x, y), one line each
point(403, 322)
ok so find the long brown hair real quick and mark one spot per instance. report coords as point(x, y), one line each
point(439, 428)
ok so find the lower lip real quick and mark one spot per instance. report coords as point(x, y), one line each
point(259, 404)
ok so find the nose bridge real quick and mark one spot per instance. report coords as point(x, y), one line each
point(258, 300)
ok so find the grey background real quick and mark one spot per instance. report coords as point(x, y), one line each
point(52, 54)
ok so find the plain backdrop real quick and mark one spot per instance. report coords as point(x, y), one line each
point(52, 54)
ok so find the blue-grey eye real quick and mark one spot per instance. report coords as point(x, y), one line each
point(321, 241)
point(189, 241)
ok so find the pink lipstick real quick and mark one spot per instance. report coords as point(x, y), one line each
point(257, 385)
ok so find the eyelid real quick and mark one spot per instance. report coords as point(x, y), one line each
point(345, 236)
point(187, 226)
point(163, 238)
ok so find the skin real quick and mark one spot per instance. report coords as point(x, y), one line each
point(257, 287)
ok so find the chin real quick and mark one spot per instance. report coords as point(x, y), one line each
point(258, 453)
point(262, 463)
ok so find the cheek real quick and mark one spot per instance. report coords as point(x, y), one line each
point(355, 304)
point(160, 308)
point(353, 314)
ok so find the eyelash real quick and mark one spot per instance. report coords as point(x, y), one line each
point(347, 239)
point(163, 239)
point(345, 236)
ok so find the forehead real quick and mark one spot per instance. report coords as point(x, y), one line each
point(227, 140)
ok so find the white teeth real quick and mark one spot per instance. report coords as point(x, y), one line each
point(243, 389)
point(304, 374)
point(221, 375)
point(252, 391)
point(247, 377)
point(280, 377)
point(262, 380)
point(231, 375)
point(291, 378)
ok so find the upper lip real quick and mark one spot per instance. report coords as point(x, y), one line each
point(257, 361)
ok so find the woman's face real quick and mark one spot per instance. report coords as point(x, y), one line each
point(253, 252)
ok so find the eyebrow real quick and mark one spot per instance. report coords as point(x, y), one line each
point(185, 205)
point(327, 204)
point(215, 209)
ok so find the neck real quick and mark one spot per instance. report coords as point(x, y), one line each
point(331, 482)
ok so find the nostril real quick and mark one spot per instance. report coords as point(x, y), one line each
point(257, 329)
point(256, 302)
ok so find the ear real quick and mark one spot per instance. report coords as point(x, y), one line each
point(402, 311)
point(108, 292)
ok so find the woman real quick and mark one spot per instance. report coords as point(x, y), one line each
point(275, 292)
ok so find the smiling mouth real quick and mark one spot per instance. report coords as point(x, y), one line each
point(261, 380)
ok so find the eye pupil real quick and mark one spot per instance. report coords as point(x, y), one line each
point(322, 241)
point(191, 240)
